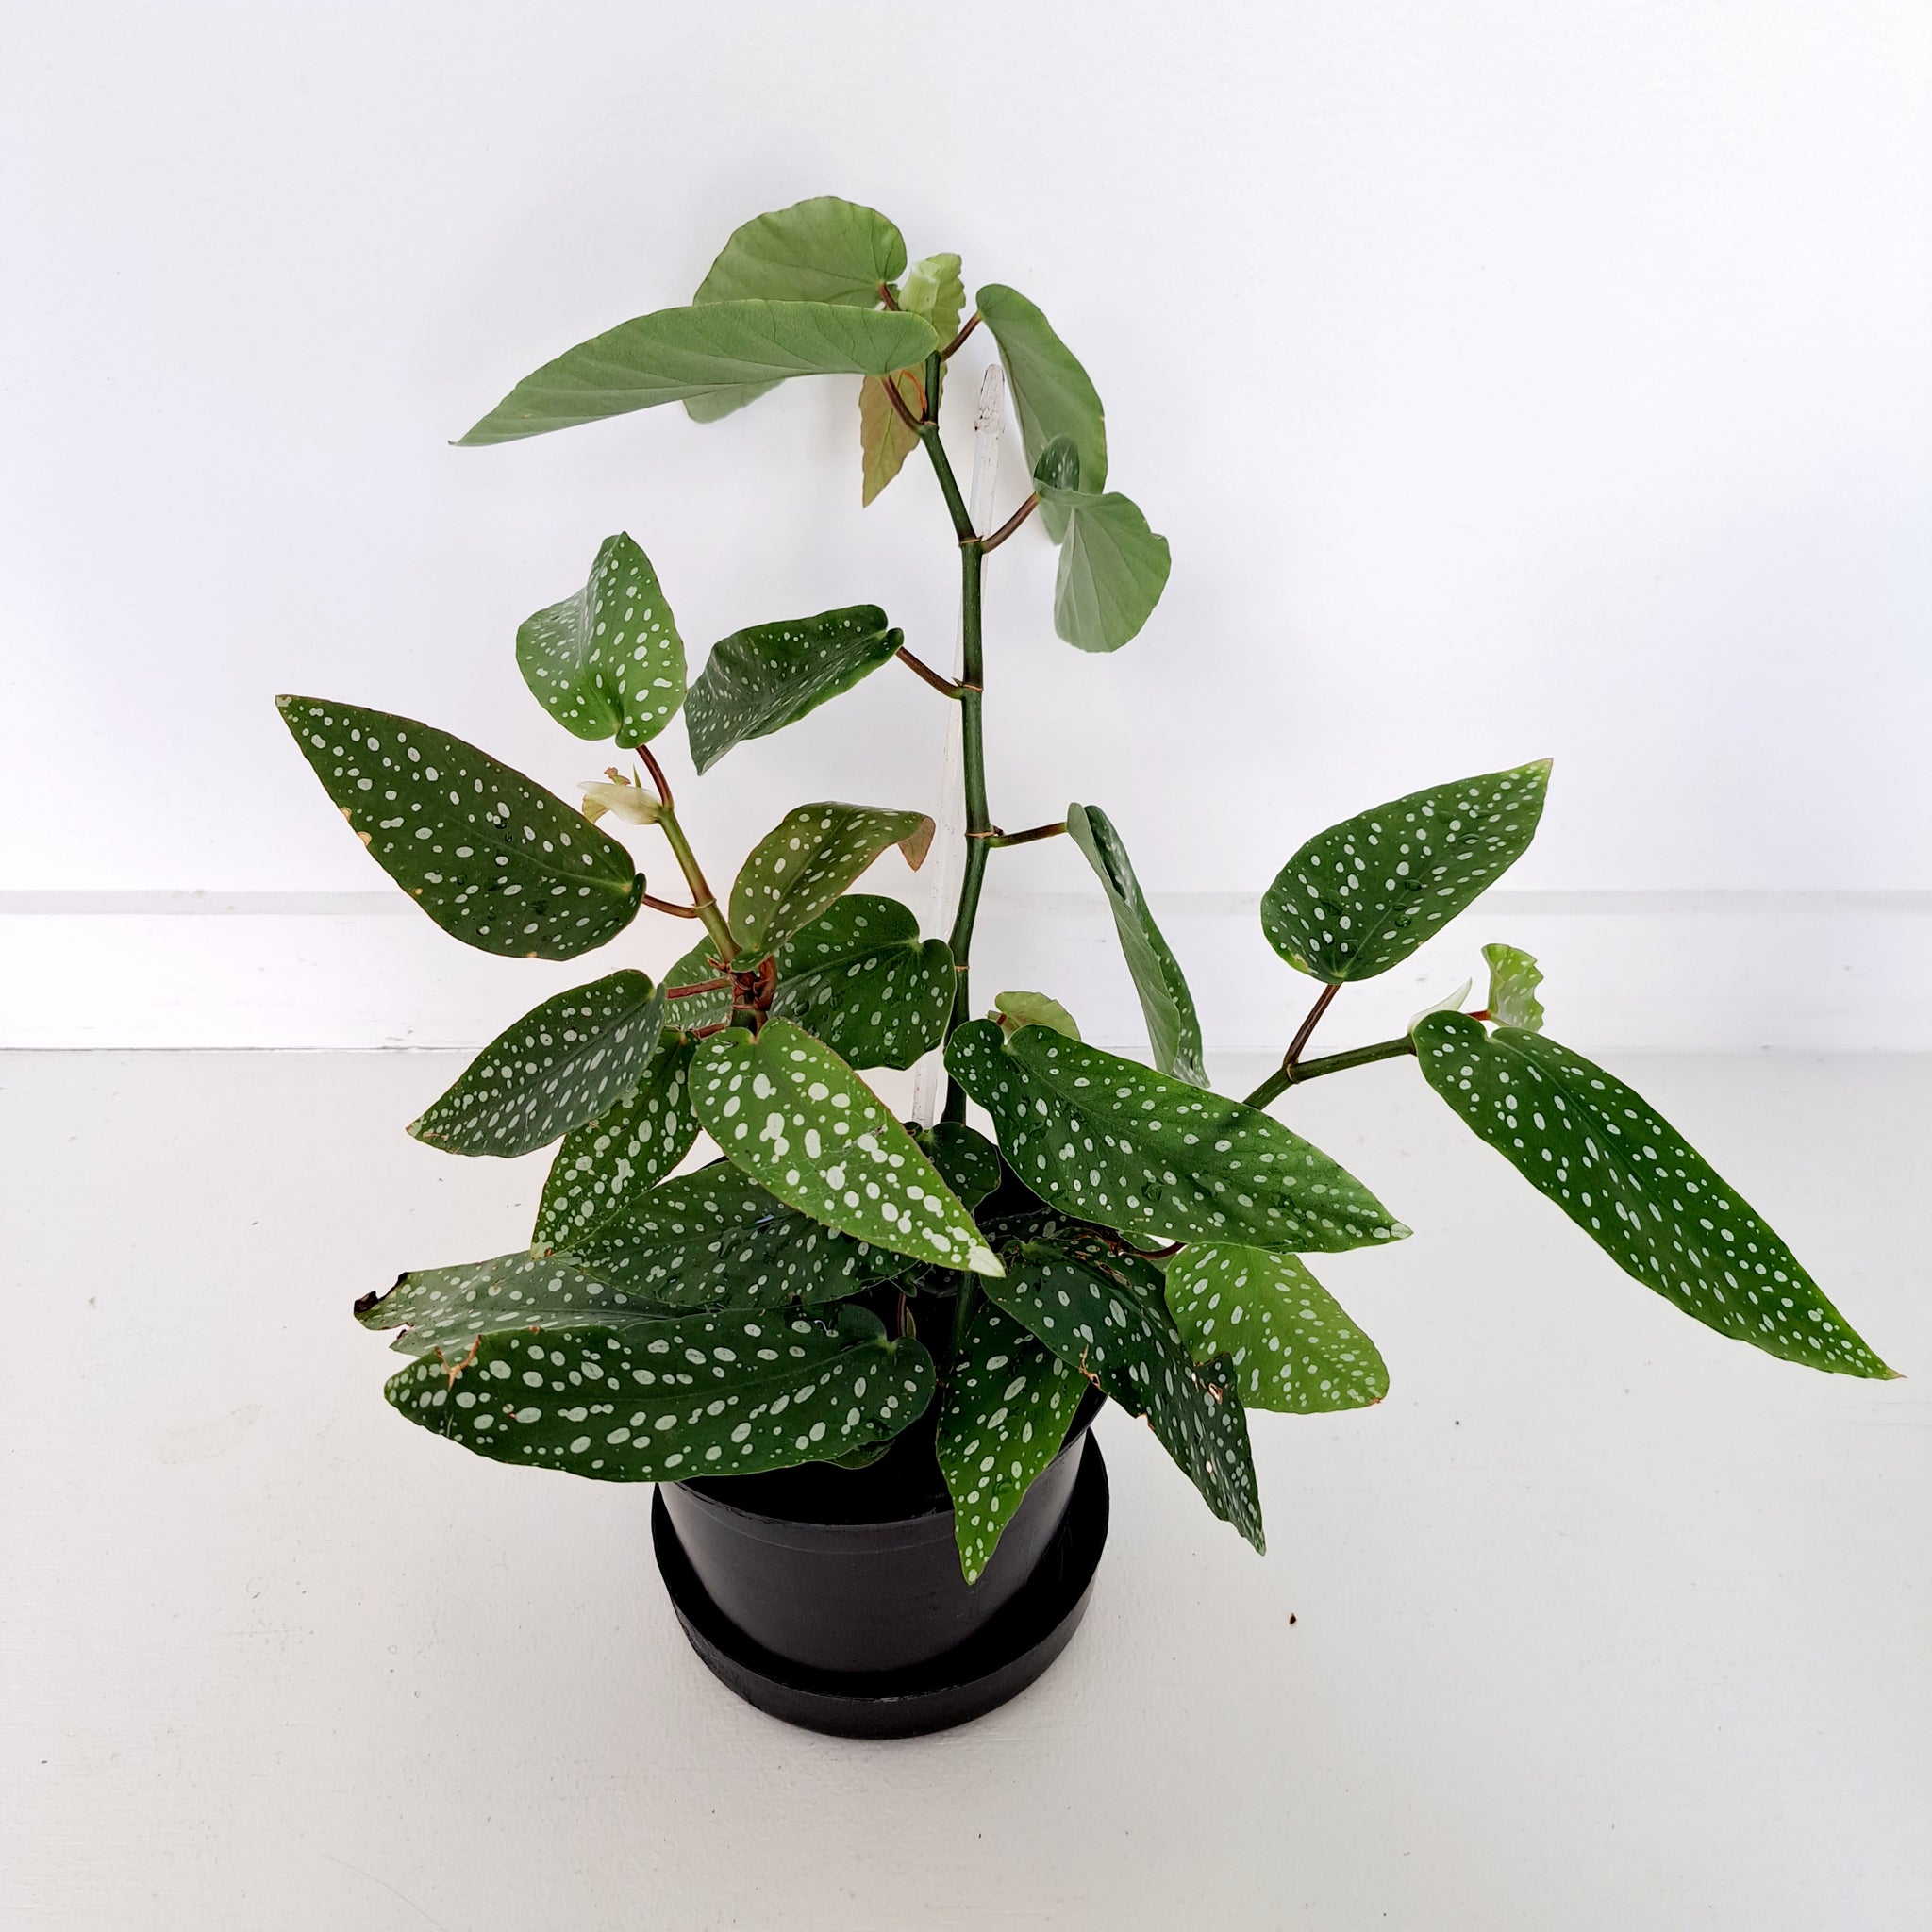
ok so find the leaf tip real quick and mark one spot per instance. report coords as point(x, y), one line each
point(983, 1261)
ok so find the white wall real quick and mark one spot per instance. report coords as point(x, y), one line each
point(1510, 379)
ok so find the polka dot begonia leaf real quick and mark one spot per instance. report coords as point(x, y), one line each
point(657, 1401)
point(1514, 977)
point(696, 968)
point(1363, 896)
point(564, 1063)
point(717, 1240)
point(861, 979)
point(968, 1162)
point(801, 866)
point(608, 1162)
point(1121, 1334)
point(788, 1112)
point(1632, 1182)
point(756, 681)
point(1002, 1417)
point(494, 860)
point(444, 1309)
point(1288, 1343)
point(607, 662)
point(1114, 1142)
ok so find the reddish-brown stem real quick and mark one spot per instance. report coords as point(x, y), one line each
point(972, 323)
point(1306, 1031)
point(675, 910)
point(656, 772)
point(885, 295)
point(1027, 837)
point(1012, 523)
point(906, 415)
point(684, 993)
point(706, 1032)
point(945, 686)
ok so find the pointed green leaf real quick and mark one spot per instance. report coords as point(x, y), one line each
point(1004, 1417)
point(968, 1162)
point(653, 1402)
point(885, 438)
point(1514, 977)
point(1014, 1010)
point(1118, 1331)
point(444, 1309)
point(717, 1240)
point(494, 860)
point(808, 859)
point(1174, 1030)
point(821, 250)
point(696, 968)
point(861, 979)
point(712, 351)
point(561, 1064)
point(1119, 1144)
point(1637, 1187)
point(759, 680)
point(607, 1162)
point(1113, 567)
point(607, 662)
point(1052, 393)
point(1363, 896)
point(791, 1115)
point(1289, 1344)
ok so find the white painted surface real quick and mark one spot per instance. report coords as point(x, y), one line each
point(1599, 1623)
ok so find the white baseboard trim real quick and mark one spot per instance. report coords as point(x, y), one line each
point(1631, 972)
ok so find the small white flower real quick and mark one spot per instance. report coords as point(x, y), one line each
point(624, 798)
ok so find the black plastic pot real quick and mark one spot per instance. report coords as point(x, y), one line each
point(832, 1598)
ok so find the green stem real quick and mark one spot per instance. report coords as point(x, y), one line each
point(703, 902)
point(978, 823)
point(1278, 1082)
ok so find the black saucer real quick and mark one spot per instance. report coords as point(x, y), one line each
point(995, 1664)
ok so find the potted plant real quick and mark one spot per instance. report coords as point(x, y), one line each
point(858, 1354)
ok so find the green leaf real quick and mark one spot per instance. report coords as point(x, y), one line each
point(790, 1113)
point(933, 289)
point(1004, 1417)
point(821, 250)
point(607, 662)
point(1014, 1010)
point(885, 438)
point(653, 1402)
point(561, 1064)
point(1363, 896)
point(759, 680)
point(717, 1240)
point(1514, 977)
point(1117, 1144)
point(442, 1310)
point(696, 968)
point(498, 861)
point(861, 979)
point(968, 1162)
point(808, 859)
point(1113, 567)
point(1052, 393)
point(1174, 1030)
point(1637, 1187)
point(1119, 1332)
point(1288, 1343)
point(714, 351)
point(628, 1148)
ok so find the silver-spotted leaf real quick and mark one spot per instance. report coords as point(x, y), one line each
point(1514, 977)
point(628, 1148)
point(756, 681)
point(697, 967)
point(1637, 1187)
point(713, 351)
point(444, 1309)
point(1174, 1028)
point(494, 860)
point(607, 662)
point(656, 1401)
point(564, 1063)
point(717, 1240)
point(1119, 1332)
point(1363, 896)
point(1289, 1344)
point(785, 1109)
point(861, 979)
point(968, 1162)
point(1002, 1417)
point(1117, 1144)
point(808, 859)
point(1052, 393)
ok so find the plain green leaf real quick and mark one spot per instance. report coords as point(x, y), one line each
point(560, 1065)
point(808, 859)
point(933, 289)
point(1130, 1148)
point(717, 1240)
point(861, 979)
point(494, 860)
point(1052, 393)
point(1004, 1417)
point(785, 1109)
point(442, 1310)
point(607, 662)
point(758, 680)
point(1288, 1344)
point(1514, 977)
point(678, 355)
point(1113, 567)
point(1637, 1187)
point(1173, 1029)
point(1014, 1010)
point(627, 1149)
point(1117, 1329)
point(653, 1402)
point(821, 250)
point(1363, 896)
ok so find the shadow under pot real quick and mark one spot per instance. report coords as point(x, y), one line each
point(832, 1598)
